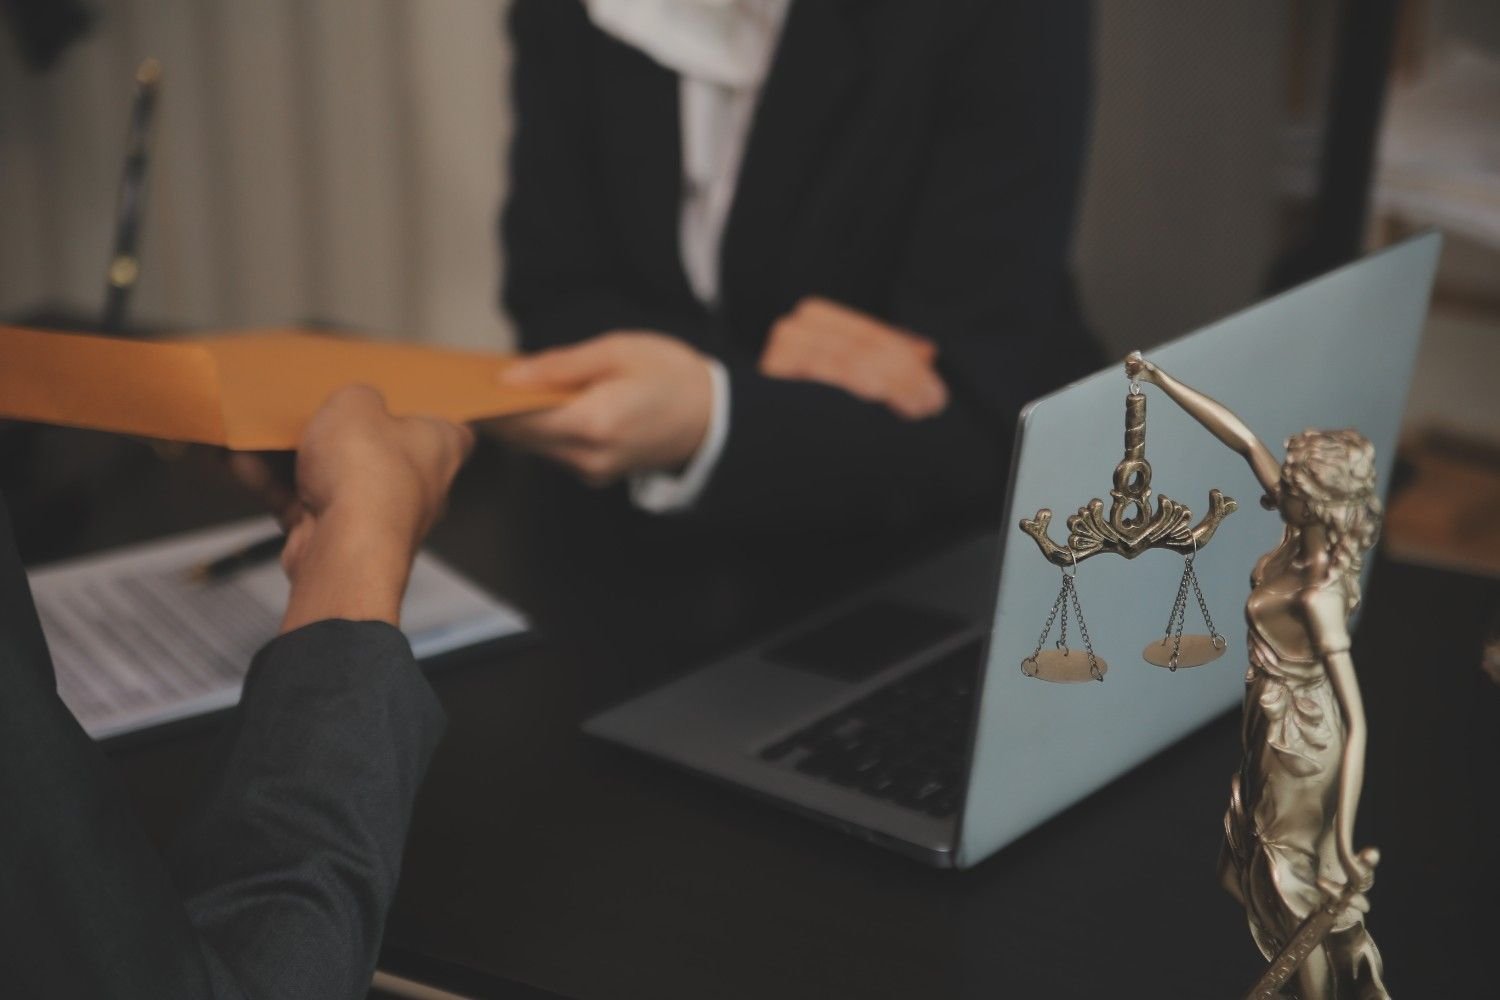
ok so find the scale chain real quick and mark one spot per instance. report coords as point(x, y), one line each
point(1066, 594)
point(1041, 640)
point(1203, 608)
point(1177, 603)
point(1177, 620)
point(1083, 630)
point(1062, 631)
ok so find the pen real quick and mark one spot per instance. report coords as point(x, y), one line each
point(124, 264)
point(227, 565)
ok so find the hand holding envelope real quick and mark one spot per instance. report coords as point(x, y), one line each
point(250, 391)
point(643, 402)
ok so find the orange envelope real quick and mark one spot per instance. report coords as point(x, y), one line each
point(250, 391)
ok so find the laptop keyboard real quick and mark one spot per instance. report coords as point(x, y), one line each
point(905, 742)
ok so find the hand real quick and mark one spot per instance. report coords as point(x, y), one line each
point(1359, 874)
point(369, 487)
point(822, 341)
point(1138, 368)
point(644, 404)
point(1359, 869)
point(1333, 891)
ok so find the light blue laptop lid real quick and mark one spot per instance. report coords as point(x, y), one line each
point(1336, 352)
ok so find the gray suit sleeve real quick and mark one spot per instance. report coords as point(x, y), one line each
point(289, 862)
point(283, 875)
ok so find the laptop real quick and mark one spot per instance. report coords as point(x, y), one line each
point(903, 714)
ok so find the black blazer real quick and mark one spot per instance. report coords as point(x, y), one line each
point(917, 159)
point(279, 883)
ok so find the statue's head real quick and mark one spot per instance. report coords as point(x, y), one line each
point(1328, 479)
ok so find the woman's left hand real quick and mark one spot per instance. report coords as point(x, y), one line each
point(823, 341)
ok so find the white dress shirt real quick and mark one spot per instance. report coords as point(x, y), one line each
point(721, 51)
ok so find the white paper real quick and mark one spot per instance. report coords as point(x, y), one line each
point(136, 641)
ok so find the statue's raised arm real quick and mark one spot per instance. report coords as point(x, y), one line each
point(1220, 421)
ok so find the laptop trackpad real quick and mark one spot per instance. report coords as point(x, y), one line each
point(865, 640)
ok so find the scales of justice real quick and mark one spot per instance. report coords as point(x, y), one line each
point(1288, 854)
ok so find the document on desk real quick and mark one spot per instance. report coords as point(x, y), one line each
point(138, 641)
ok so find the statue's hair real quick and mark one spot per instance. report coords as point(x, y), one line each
point(1333, 472)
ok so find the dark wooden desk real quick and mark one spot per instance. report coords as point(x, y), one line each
point(542, 864)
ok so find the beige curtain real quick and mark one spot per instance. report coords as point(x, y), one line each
point(341, 160)
point(334, 160)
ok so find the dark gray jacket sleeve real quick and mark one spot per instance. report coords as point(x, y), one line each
point(279, 884)
point(290, 861)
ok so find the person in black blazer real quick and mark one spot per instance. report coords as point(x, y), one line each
point(892, 282)
point(279, 883)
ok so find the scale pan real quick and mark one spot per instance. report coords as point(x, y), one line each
point(1196, 650)
point(1059, 667)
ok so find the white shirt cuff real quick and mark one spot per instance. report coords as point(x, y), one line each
point(668, 493)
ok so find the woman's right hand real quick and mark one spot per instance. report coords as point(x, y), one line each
point(644, 402)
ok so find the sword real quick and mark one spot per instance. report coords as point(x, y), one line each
point(1311, 934)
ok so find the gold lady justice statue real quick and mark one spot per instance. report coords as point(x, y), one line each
point(1289, 855)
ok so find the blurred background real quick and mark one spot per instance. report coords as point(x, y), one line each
point(342, 162)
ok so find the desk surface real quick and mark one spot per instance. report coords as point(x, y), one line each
point(543, 864)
